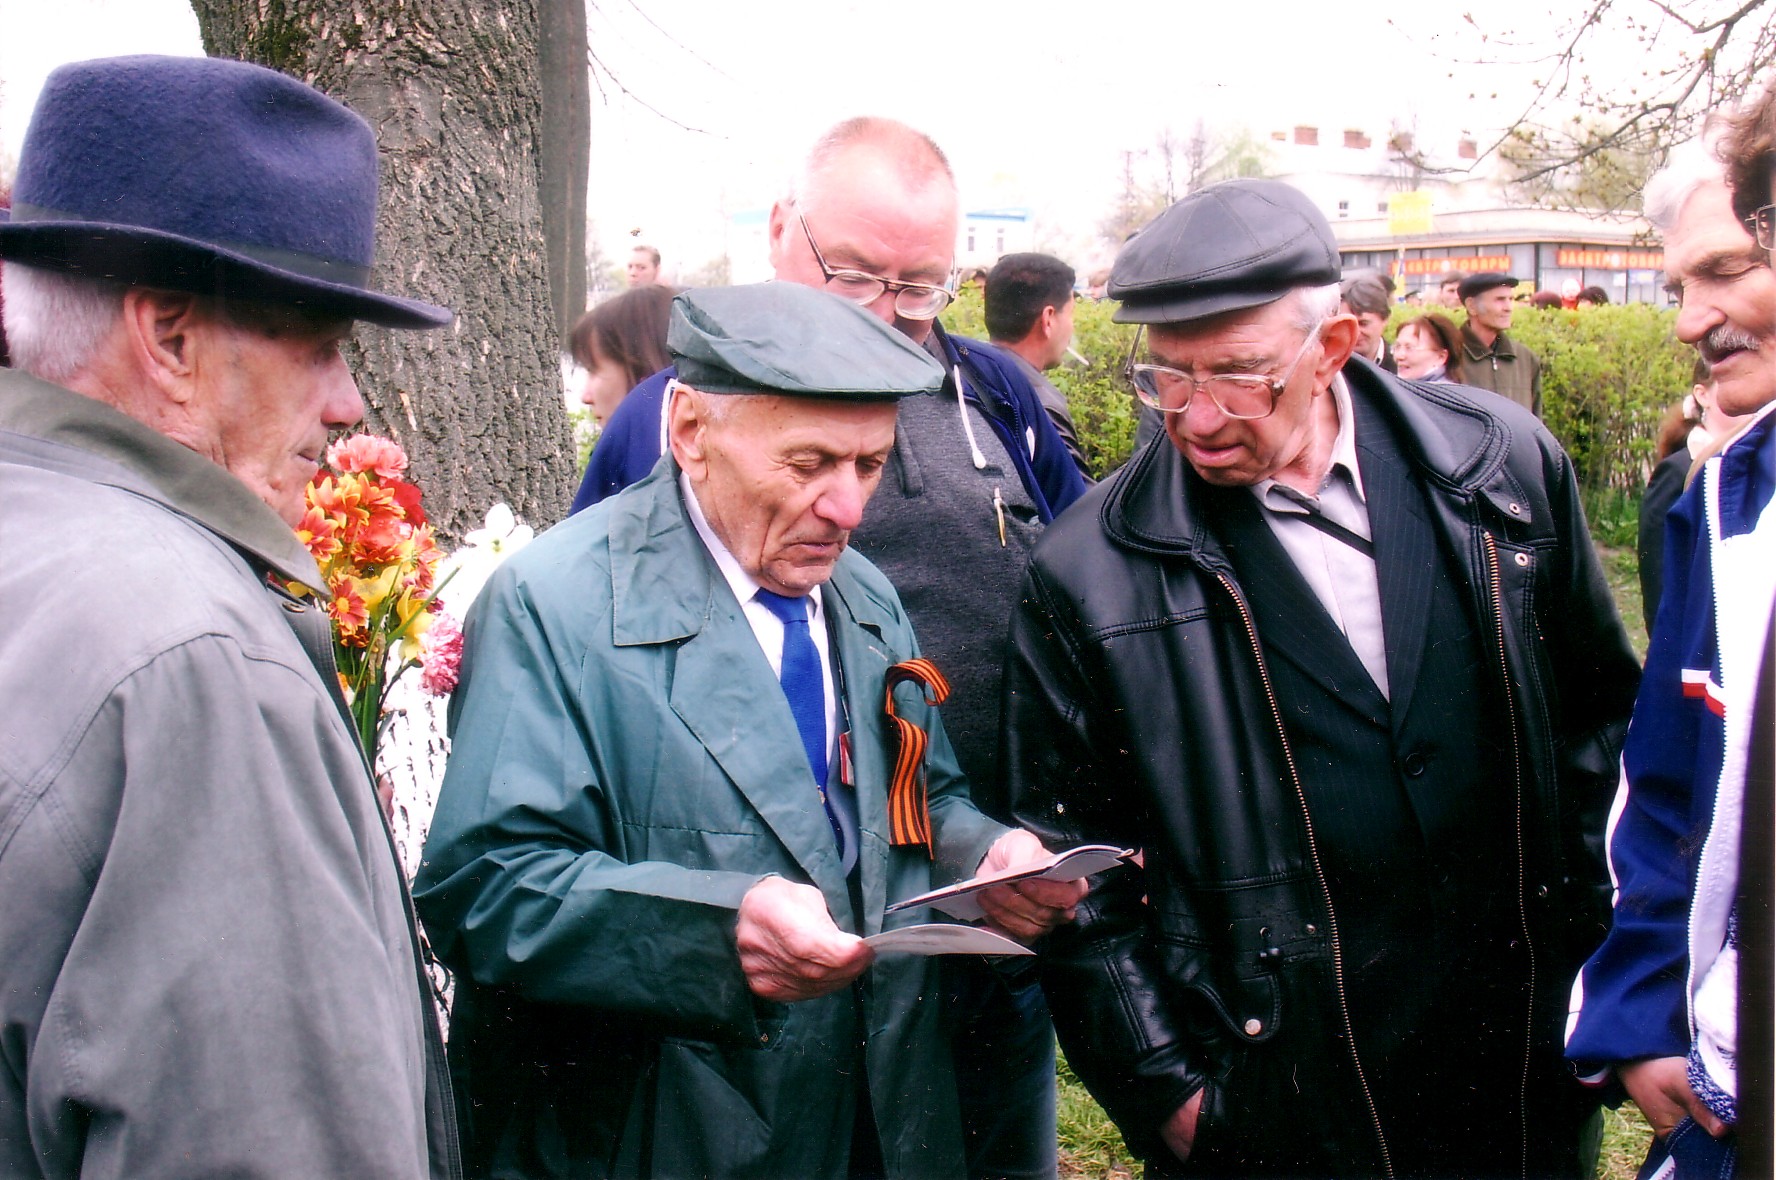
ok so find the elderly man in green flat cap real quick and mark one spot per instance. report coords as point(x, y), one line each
point(675, 807)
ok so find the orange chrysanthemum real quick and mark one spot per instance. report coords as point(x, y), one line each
point(350, 613)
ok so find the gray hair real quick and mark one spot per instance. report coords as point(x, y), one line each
point(1315, 305)
point(1689, 168)
point(56, 321)
point(915, 155)
point(714, 408)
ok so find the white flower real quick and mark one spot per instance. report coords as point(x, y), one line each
point(469, 567)
point(502, 533)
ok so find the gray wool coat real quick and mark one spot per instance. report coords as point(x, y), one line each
point(207, 956)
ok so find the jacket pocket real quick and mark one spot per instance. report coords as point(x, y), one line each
point(704, 1122)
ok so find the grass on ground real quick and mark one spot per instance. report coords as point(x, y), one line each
point(1092, 1149)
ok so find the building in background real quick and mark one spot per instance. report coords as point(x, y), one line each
point(989, 234)
point(1415, 211)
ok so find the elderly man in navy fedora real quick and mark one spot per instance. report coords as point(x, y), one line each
point(1336, 652)
point(208, 963)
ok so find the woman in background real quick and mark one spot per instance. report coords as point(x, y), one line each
point(1428, 348)
point(619, 344)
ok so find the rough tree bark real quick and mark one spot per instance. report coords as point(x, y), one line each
point(566, 154)
point(452, 88)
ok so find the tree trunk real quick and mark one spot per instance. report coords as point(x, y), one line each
point(566, 155)
point(452, 89)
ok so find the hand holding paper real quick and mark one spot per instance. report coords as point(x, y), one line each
point(789, 947)
point(1031, 907)
point(962, 900)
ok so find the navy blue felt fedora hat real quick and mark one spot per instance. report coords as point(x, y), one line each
point(203, 175)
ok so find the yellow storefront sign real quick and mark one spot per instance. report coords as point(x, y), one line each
point(1409, 213)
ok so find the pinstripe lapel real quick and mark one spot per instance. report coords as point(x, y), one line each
point(1406, 555)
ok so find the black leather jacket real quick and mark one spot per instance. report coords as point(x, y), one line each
point(1139, 712)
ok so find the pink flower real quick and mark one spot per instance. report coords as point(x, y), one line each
point(368, 452)
point(440, 657)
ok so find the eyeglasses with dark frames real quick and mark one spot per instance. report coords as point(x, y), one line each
point(1246, 396)
point(912, 301)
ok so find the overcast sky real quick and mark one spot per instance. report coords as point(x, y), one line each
point(1034, 108)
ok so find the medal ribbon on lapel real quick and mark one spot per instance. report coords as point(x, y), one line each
point(909, 805)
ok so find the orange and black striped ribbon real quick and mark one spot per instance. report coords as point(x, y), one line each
point(909, 804)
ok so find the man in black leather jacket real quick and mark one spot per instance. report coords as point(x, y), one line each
point(1337, 656)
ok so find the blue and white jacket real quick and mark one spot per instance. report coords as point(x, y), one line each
point(1664, 982)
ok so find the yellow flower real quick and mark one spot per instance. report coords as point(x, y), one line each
point(414, 629)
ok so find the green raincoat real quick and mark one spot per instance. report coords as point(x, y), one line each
point(624, 768)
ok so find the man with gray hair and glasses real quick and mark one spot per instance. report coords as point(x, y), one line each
point(1336, 653)
point(1718, 274)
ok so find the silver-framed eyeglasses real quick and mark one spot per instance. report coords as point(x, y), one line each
point(1763, 226)
point(1246, 396)
point(912, 301)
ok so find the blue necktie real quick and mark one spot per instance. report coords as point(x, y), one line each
point(801, 679)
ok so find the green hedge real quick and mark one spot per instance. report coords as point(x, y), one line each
point(1608, 375)
point(1102, 404)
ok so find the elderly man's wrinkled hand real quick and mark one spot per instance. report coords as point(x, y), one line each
point(790, 949)
point(1027, 909)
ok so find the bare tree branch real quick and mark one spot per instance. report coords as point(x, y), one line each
point(1698, 56)
point(599, 66)
point(639, 11)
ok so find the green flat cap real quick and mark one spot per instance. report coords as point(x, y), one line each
point(797, 341)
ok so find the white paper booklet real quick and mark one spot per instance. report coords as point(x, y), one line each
point(942, 938)
point(959, 900)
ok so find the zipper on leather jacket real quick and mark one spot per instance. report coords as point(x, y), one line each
point(1313, 853)
point(1495, 588)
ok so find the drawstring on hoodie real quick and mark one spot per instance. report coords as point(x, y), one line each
point(974, 451)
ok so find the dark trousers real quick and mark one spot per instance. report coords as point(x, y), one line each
point(1690, 1153)
point(1002, 1040)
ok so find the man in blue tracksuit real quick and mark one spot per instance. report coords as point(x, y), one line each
point(977, 471)
point(1657, 1004)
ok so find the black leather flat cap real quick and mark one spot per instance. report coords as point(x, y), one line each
point(1483, 282)
point(1233, 245)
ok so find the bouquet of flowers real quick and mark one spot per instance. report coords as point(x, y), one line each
point(369, 535)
